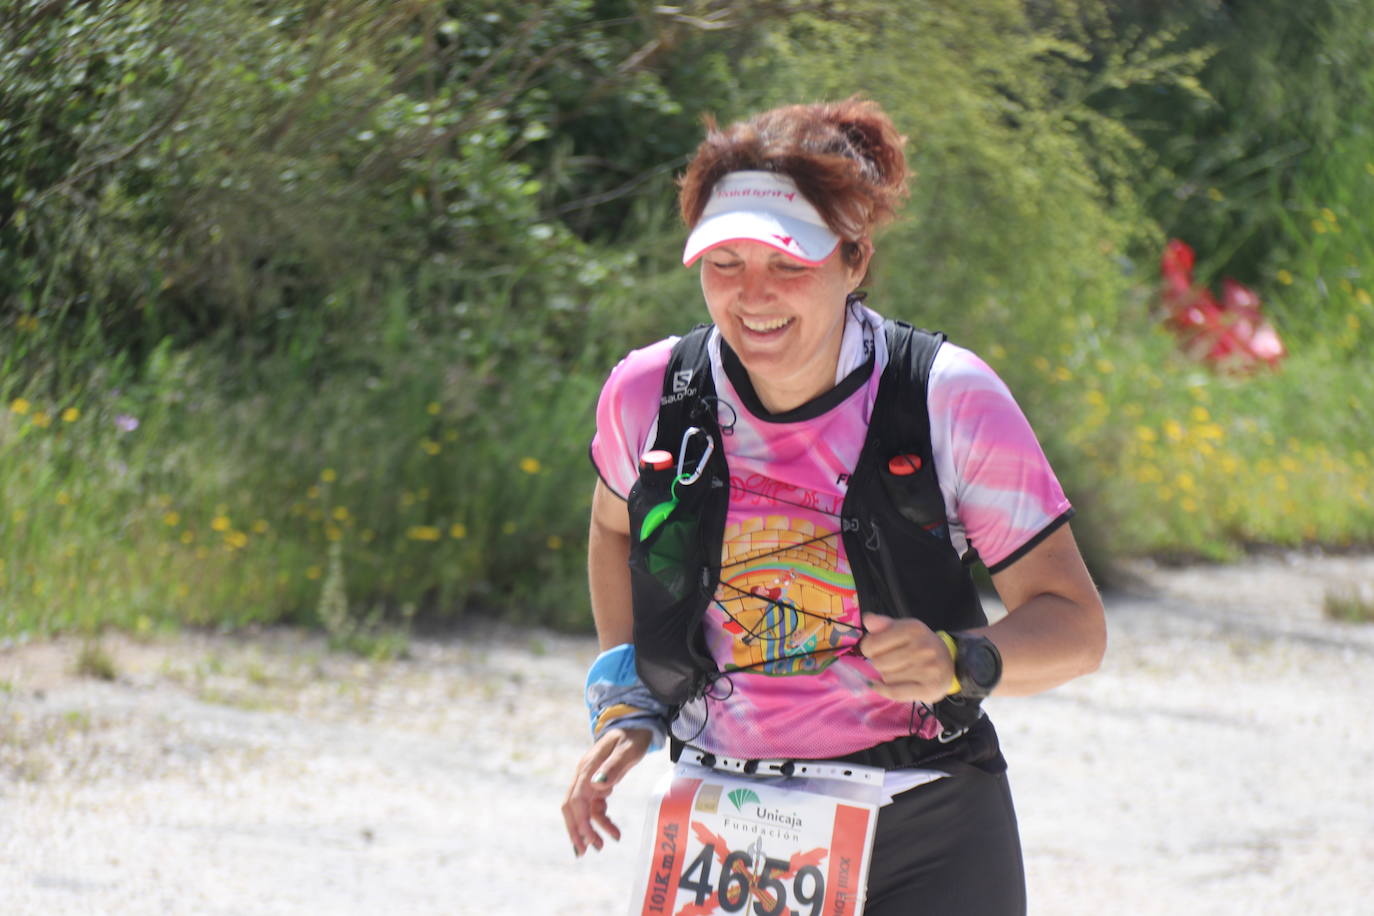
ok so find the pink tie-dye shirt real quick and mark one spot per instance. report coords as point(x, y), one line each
point(787, 596)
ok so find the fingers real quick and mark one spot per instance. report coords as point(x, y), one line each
point(598, 772)
point(912, 662)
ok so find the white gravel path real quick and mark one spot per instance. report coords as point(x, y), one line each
point(1222, 761)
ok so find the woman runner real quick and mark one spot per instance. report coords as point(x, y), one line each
point(782, 209)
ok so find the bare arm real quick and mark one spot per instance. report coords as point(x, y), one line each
point(1055, 630)
point(608, 571)
point(617, 750)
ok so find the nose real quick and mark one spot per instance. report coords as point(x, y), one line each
point(754, 286)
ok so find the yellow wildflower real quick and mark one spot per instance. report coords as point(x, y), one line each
point(555, 542)
point(312, 572)
point(451, 435)
point(220, 523)
point(1319, 227)
point(171, 519)
point(1369, 167)
point(1105, 366)
point(1165, 494)
point(1185, 482)
point(1174, 430)
point(236, 539)
point(1285, 277)
point(407, 498)
point(1362, 297)
point(313, 492)
point(368, 535)
point(1215, 194)
point(423, 533)
point(328, 475)
point(187, 537)
point(1200, 414)
point(508, 528)
point(458, 531)
point(430, 446)
point(260, 526)
point(19, 406)
point(42, 420)
point(1352, 321)
point(1095, 397)
point(530, 465)
point(71, 415)
point(432, 408)
point(333, 532)
point(63, 498)
point(341, 513)
point(1042, 364)
point(1187, 504)
point(1328, 214)
point(1146, 433)
point(1062, 374)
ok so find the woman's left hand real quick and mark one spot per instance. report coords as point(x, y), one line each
point(914, 662)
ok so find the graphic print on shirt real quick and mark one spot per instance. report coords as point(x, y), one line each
point(787, 596)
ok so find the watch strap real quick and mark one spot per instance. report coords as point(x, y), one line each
point(953, 647)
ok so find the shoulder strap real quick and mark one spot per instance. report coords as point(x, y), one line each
point(687, 382)
point(900, 425)
point(900, 411)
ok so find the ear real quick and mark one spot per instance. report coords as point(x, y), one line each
point(859, 269)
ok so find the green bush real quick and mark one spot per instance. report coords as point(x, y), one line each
point(304, 308)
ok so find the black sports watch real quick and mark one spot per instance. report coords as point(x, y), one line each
point(977, 665)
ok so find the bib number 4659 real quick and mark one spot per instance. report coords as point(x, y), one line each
point(741, 880)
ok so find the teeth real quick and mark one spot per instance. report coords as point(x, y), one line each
point(765, 325)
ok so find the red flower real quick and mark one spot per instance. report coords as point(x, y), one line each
point(1232, 334)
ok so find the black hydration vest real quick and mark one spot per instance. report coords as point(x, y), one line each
point(894, 527)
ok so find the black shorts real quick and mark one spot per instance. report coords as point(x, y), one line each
point(948, 848)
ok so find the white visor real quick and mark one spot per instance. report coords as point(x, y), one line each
point(761, 207)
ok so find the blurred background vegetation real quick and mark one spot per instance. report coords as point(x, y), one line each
point(304, 306)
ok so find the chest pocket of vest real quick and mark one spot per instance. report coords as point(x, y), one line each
point(673, 576)
point(917, 498)
point(664, 554)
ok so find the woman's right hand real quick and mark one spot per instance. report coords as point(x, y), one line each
point(598, 772)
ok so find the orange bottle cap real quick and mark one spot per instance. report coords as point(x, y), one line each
point(904, 465)
point(656, 460)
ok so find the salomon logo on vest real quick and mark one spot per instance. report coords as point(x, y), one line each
point(682, 387)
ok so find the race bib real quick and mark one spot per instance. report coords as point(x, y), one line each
point(717, 843)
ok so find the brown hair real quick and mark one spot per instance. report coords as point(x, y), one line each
point(846, 158)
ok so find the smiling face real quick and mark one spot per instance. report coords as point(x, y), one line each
point(782, 317)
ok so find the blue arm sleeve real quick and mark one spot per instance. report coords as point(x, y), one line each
point(616, 698)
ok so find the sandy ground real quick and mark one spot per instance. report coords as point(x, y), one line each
point(1222, 761)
